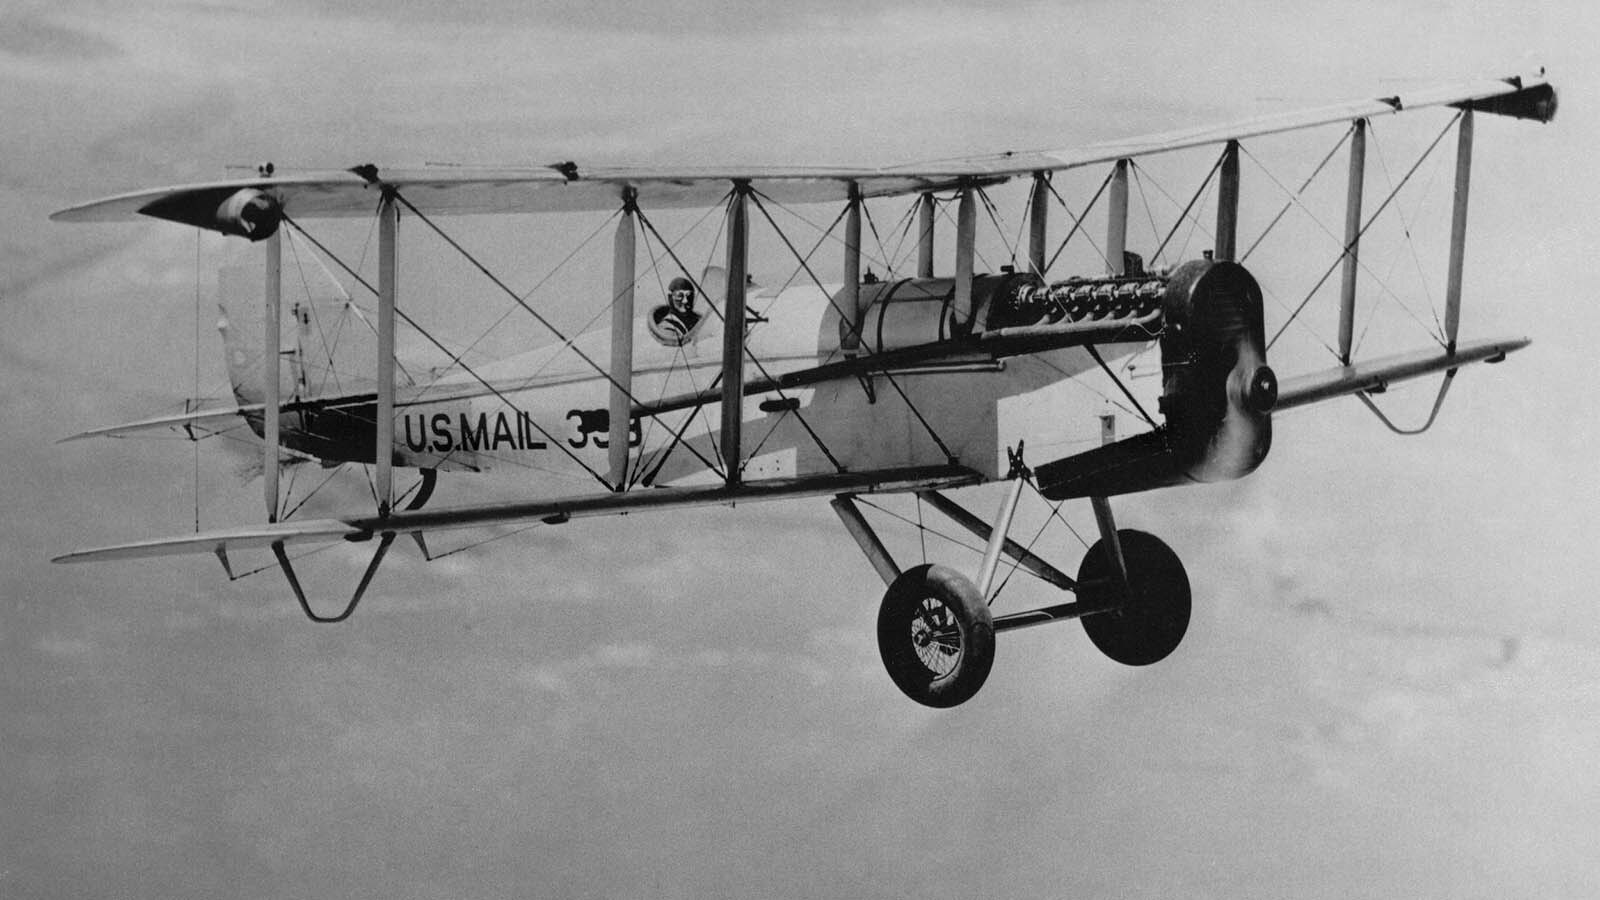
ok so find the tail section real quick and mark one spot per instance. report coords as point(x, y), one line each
point(239, 320)
point(327, 341)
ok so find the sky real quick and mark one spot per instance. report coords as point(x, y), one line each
point(1389, 686)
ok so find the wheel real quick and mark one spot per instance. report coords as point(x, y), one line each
point(1153, 623)
point(936, 636)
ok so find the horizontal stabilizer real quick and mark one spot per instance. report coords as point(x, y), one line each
point(218, 418)
point(208, 419)
point(1374, 375)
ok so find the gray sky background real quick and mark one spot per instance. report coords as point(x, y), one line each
point(1389, 688)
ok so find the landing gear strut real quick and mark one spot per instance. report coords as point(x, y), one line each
point(935, 631)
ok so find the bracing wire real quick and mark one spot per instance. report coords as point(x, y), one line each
point(1437, 334)
point(1077, 221)
point(497, 392)
point(1362, 231)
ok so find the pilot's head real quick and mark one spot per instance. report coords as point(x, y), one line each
point(680, 294)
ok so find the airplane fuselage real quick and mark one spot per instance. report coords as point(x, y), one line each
point(547, 410)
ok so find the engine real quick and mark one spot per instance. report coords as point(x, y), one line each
point(915, 312)
point(1217, 394)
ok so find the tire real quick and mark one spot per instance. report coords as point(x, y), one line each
point(1153, 623)
point(936, 636)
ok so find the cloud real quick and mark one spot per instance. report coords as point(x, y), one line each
point(31, 35)
point(63, 647)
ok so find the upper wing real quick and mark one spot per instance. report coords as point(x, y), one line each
point(567, 187)
point(446, 191)
point(1518, 97)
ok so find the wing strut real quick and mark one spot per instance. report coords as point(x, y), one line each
point(850, 341)
point(622, 278)
point(1103, 516)
point(733, 328)
point(1352, 238)
point(867, 539)
point(980, 529)
point(966, 235)
point(1117, 220)
point(388, 257)
point(271, 359)
point(1038, 221)
point(1228, 205)
point(1458, 229)
point(925, 236)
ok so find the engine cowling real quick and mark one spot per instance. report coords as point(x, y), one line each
point(249, 213)
point(1217, 395)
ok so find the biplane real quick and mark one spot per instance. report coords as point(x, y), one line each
point(900, 381)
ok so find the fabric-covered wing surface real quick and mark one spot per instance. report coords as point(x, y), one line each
point(568, 187)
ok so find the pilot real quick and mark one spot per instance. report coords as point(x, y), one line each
point(674, 323)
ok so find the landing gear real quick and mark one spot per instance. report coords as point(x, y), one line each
point(935, 631)
point(936, 636)
point(1150, 622)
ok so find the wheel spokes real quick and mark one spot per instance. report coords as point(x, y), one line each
point(935, 637)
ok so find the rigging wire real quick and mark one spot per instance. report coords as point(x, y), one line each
point(750, 354)
point(994, 219)
point(922, 528)
point(650, 231)
point(1363, 230)
point(872, 225)
point(800, 267)
point(1077, 221)
point(1205, 190)
point(552, 439)
point(680, 357)
point(903, 225)
point(1405, 229)
point(1294, 196)
point(1137, 172)
point(849, 318)
point(1095, 352)
point(531, 291)
point(568, 343)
